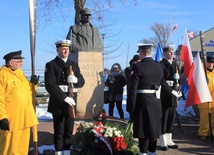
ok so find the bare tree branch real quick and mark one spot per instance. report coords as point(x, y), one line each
point(162, 33)
point(102, 17)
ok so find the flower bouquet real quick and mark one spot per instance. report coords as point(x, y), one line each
point(94, 138)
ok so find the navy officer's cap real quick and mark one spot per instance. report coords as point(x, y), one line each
point(168, 47)
point(144, 46)
point(63, 43)
point(13, 55)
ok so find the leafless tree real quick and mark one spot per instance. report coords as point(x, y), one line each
point(162, 34)
point(48, 8)
point(103, 17)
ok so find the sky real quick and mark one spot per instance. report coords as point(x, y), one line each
point(132, 25)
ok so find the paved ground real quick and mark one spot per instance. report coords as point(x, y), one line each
point(185, 136)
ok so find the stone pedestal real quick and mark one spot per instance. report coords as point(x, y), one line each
point(91, 96)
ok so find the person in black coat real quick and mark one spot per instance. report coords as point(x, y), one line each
point(169, 104)
point(142, 103)
point(115, 83)
point(128, 70)
point(56, 83)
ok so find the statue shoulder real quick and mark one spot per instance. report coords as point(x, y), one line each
point(76, 28)
point(94, 27)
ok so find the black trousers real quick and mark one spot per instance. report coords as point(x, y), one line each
point(168, 120)
point(63, 129)
point(146, 145)
point(119, 108)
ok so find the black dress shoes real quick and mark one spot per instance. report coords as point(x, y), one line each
point(164, 148)
point(173, 146)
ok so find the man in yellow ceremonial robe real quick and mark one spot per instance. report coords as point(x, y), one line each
point(204, 108)
point(17, 114)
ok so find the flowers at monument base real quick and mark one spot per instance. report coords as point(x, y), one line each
point(109, 139)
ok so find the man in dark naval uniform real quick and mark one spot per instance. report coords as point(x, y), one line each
point(56, 82)
point(143, 105)
point(169, 102)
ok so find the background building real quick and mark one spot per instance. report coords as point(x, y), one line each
point(195, 43)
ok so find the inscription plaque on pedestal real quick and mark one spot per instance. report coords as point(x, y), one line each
point(90, 97)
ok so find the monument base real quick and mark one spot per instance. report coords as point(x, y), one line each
point(90, 97)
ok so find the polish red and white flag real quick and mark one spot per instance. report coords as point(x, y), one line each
point(186, 54)
point(198, 88)
point(190, 34)
point(174, 28)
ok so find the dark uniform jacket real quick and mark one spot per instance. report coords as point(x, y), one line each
point(169, 71)
point(56, 74)
point(128, 71)
point(145, 107)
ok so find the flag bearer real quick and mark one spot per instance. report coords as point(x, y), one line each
point(169, 102)
point(56, 82)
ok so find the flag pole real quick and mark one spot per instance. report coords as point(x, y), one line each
point(205, 69)
point(32, 20)
point(170, 28)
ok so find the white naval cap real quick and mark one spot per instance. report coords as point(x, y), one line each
point(144, 46)
point(63, 43)
point(169, 47)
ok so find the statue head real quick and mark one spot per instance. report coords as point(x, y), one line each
point(85, 11)
point(85, 15)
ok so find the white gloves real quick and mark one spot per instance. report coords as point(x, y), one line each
point(177, 94)
point(70, 101)
point(176, 76)
point(72, 79)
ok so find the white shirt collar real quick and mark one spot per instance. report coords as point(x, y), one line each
point(65, 59)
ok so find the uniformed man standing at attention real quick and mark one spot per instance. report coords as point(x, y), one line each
point(169, 102)
point(56, 82)
point(143, 105)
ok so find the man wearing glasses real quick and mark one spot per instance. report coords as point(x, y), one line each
point(17, 114)
point(84, 36)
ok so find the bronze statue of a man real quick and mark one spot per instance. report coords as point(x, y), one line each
point(84, 36)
